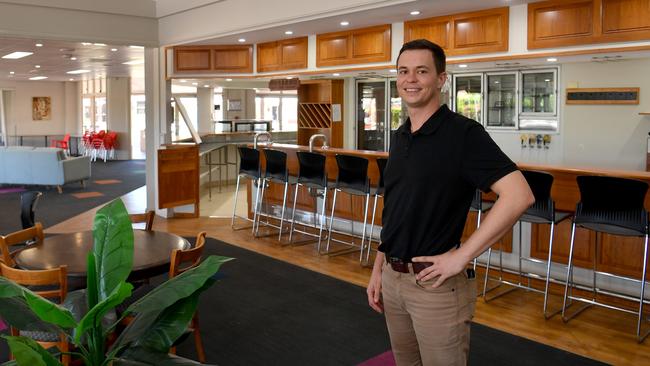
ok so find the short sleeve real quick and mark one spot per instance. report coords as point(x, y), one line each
point(483, 161)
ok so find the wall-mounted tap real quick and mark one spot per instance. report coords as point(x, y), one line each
point(316, 137)
point(264, 133)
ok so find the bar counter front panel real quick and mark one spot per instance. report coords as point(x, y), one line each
point(620, 255)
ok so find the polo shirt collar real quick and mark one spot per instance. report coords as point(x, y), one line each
point(430, 126)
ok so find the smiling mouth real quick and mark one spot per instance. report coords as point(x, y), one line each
point(412, 90)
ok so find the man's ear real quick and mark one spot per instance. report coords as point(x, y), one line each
point(442, 78)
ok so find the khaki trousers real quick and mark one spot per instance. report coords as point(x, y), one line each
point(428, 326)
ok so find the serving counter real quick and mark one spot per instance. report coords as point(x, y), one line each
point(618, 255)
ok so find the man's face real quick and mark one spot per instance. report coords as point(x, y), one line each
point(418, 81)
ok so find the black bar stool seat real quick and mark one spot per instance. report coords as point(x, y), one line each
point(249, 168)
point(614, 206)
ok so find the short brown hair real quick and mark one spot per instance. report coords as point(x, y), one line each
point(439, 58)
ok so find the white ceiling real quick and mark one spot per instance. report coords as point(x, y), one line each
point(54, 59)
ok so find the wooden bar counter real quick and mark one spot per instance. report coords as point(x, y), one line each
point(615, 254)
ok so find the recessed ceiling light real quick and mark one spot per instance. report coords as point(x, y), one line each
point(195, 84)
point(114, 49)
point(496, 81)
point(99, 44)
point(241, 40)
point(80, 71)
point(206, 86)
point(392, 70)
point(138, 47)
point(37, 66)
point(86, 43)
point(38, 78)
point(134, 62)
point(415, 12)
point(336, 74)
point(11, 72)
point(71, 79)
point(17, 55)
point(288, 32)
point(462, 66)
point(73, 58)
point(183, 81)
point(289, 77)
point(345, 23)
point(551, 59)
point(39, 45)
point(228, 79)
point(547, 80)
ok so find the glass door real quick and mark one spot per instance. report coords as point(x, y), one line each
point(501, 101)
point(379, 112)
point(468, 95)
point(371, 115)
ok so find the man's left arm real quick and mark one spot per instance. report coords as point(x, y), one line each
point(514, 197)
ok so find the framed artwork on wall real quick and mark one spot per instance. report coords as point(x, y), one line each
point(41, 108)
point(234, 105)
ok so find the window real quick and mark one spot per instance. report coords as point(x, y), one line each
point(94, 105)
point(279, 107)
point(516, 100)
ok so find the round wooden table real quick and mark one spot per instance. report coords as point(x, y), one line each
point(151, 255)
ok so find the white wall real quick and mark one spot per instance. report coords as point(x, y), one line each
point(118, 113)
point(205, 106)
point(247, 98)
point(19, 108)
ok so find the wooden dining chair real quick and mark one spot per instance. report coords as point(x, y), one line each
point(146, 217)
point(33, 234)
point(181, 261)
point(56, 283)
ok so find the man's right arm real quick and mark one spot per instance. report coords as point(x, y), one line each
point(374, 286)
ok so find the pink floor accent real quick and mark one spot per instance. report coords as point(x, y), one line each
point(384, 359)
point(11, 190)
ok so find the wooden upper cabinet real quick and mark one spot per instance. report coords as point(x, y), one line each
point(575, 22)
point(625, 20)
point(282, 55)
point(229, 59)
point(465, 33)
point(192, 59)
point(357, 46)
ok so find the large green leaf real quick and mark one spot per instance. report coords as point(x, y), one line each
point(29, 353)
point(179, 287)
point(94, 317)
point(149, 307)
point(113, 247)
point(138, 356)
point(172, 323)
point(27, 303)
point(91, 281)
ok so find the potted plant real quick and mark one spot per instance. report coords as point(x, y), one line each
point(160, 317)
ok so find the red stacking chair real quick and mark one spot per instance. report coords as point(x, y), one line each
point(62, 144)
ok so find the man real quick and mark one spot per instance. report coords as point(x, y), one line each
point(436, 161)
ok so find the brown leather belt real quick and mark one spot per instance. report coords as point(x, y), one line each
point(399, 265)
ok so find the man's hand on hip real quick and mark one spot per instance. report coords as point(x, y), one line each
point(444, 266)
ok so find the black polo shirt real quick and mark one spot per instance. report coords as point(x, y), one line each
point(430, 179)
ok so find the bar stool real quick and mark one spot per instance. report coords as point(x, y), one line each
point(479, 206)
point(249, 168)
point(614, 206)
point(541, 212)
point(378, 192)
point(313, 175)
point(276, 171)
point(352, 179)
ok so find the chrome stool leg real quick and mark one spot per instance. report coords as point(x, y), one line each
point(363, 233)
point(234, 210)
point(293, 213)
point(284, 205)
point(548, 273)
point(372, 227)
point(260, 205)
point(322, 220)
point(568, 273)
point(329, 234)
point(640, 337)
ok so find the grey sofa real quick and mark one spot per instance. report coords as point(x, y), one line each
point(41, 166)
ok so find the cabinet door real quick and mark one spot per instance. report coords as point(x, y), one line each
point(501, 101)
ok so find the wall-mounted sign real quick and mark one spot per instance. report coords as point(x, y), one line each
point(602, 96)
